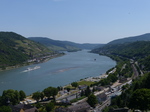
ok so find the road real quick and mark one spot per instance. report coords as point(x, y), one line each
point(99, 108)
point(135, 71)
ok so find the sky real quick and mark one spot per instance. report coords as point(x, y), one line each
point(80, 21)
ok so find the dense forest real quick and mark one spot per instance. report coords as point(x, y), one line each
point(139, 51)
point(16, 49)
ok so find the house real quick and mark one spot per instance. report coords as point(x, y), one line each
point(100, 88)
point(82, 87)
point(63, 92)
point(71, 97)
point(80, 107)
point(102, 97)
point(23, 108)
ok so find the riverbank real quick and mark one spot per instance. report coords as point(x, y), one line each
point(30, 63)
point(86, 81)
point(56, 72)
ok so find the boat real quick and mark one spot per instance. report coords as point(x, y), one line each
point(33, 68)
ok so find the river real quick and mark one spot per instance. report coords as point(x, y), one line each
point(59, 71)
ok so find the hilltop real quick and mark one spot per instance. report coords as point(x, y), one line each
point(137, 48)
point(143, 37)
point(16, 49)
point(121, 44)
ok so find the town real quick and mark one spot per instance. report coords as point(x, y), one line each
point(75, 95)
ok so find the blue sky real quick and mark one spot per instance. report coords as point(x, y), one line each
point(81, 21)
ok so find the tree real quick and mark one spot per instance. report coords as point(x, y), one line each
point(74, 84)
point(59, 88)
point(140, 99)
point(22, 95)
point(36, 96)
point(82, 93)
point(50, 91)
point(104, 82)
point(5, 109)
point(94, 89)
point(42, 95)
point(54, 92)
point(17, 96)
point(68, 89)
point(87, 91)
point(47, 92)
point(10, 95)
point(92, 100)
point(50, 106)
point(124, 87)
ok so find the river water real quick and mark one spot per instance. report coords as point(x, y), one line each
point(59, 71)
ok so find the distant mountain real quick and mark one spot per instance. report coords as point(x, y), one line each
point(55, 45)
point(16, 49)
point(63, 45)
point(138, 49)
point(84, 46)
point(121, 42)
point(144, 37)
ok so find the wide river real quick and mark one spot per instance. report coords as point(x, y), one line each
point(59, 71)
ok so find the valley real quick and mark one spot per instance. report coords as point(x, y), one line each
point(125, 74)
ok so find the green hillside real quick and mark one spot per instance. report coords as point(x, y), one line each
point(144, 37)
point(54, 44)
point(130, 50)
point(16, 49)
point(139, 51)
point(131, 47)
point(63, 45)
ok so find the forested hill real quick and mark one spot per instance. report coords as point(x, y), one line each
point(137, 56)
point(138, 49)
point(16, 49)
point(144, 37)
point(54, 44)
point(128, 47)
point(63, 45)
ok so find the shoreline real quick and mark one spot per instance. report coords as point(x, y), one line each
point(31, 100)
point(30, 63)
point(98, 76)
point(89, 79)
